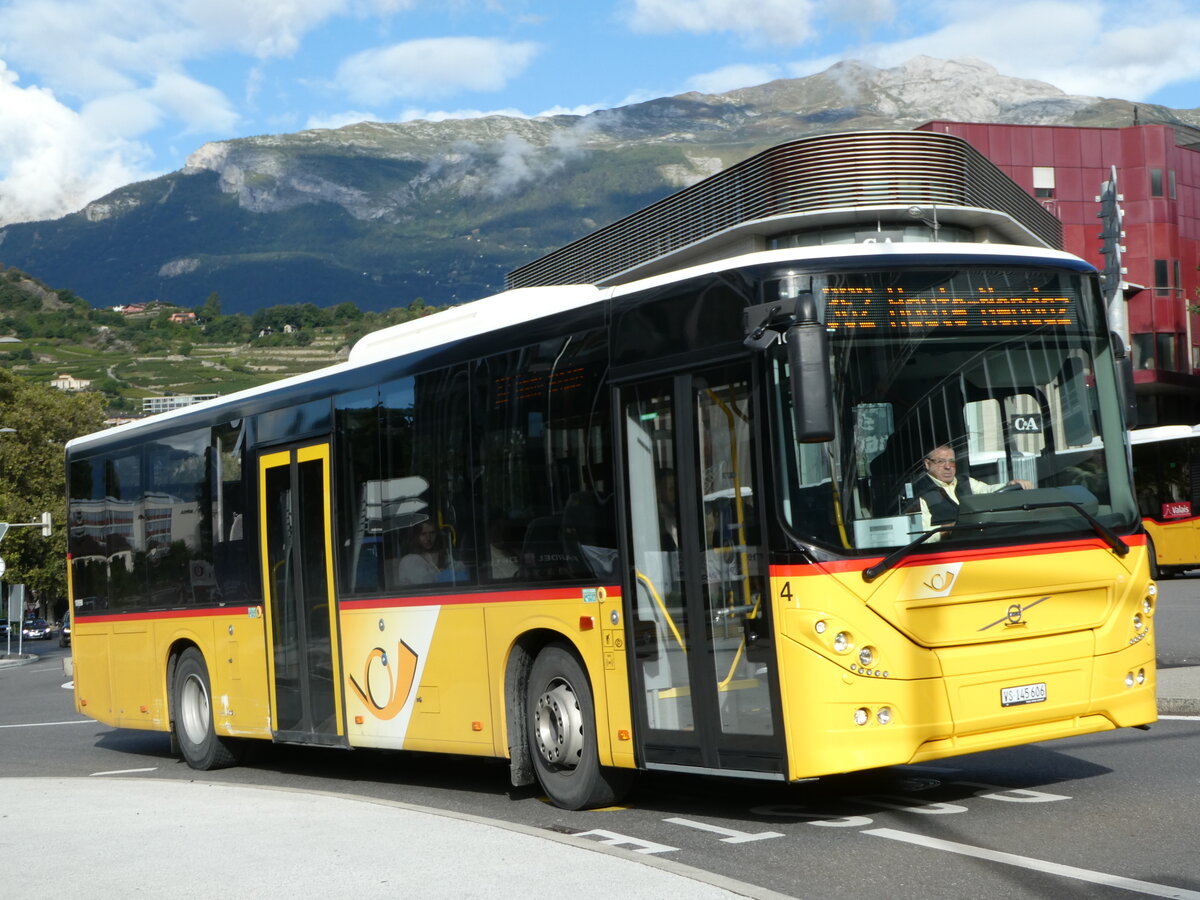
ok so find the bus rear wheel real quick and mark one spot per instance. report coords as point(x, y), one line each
point(191, 695)
point(561, 716)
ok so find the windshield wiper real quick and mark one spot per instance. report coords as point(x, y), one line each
point(1109, 536)
point(872, 572)
point(1106, 534)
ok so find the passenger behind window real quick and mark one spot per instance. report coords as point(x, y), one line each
point(424, 557)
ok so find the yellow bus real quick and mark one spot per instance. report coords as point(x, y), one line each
point(679, 520)
point(1166, 470)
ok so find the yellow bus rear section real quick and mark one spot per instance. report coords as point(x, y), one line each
point(121, 662)
point(1175, 543)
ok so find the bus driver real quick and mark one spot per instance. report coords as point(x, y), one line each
point(940, 487)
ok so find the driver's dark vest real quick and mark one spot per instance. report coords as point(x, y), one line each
point(942, 509)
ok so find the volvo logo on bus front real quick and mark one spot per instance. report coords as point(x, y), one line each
point(1015, 614)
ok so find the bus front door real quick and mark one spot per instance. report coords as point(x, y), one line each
point(704, 678)
point(301, 613)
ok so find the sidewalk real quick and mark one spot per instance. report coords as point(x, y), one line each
point(128, 837)
point(1179, 691)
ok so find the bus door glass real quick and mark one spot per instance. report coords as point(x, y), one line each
point(703, 652)
point(301, 614)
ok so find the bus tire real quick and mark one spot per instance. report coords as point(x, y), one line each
point(561, 715)
point(191, 702)
point(1152, 555)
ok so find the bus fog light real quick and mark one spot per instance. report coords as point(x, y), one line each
point(1129, 679)
point(841, 642)
point(820, 626)
point(884, 715)
point(866, 656)
point(862, 716)
point(1141, 676)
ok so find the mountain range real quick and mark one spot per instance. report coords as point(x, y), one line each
point(382, 213)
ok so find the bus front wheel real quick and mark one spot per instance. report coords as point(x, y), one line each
point(193, 716)
point(562, 734)
point(1156, 571)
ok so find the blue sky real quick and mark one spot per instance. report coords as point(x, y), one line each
point(95, 94)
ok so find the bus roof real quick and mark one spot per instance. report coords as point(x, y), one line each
point(1163, 433)
point(521, 305)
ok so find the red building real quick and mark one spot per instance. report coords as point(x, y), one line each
point(1158, 177)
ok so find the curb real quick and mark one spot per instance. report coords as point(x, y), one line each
point(12, 659)
point(1178, 706)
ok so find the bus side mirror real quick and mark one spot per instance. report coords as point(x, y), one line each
point(1125, 380)
point(812, 388)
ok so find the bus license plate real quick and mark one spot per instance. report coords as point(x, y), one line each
point(1023, 693)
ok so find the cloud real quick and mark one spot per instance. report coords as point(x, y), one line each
point(1094, 49)
point(432, 67)
point(784, 22)
point(53, 160)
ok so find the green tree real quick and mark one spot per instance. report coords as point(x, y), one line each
point(211, 309)
point(33, 480)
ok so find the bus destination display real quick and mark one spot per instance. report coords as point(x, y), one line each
point(895, 308)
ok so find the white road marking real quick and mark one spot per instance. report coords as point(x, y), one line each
point(1038, 865)
point(40, 724)
point(613, 839)
point(731, 836)
point(124, 771)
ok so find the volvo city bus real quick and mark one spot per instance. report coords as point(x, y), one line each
point(1166, 470)
point(674, 513)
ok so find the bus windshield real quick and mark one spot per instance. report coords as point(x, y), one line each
point(978, 403)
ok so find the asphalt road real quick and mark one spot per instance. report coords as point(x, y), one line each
point(1109, 815)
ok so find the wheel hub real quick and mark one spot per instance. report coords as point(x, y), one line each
point(558, 723)
point(194, 709)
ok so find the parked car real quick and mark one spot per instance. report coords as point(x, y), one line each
point(64, 634)
point(36, 630)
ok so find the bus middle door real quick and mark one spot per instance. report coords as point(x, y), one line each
point(297, 559)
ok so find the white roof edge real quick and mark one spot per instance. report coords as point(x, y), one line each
point(472, 318)
point(1163, 433)
point(475, 317)
point(825, 251)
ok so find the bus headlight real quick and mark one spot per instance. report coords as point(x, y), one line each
point(841, 642)
point(866, 656)
point(1137, 621)
point(1147, 605)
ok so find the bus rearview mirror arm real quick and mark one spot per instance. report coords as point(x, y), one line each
point(807, 343)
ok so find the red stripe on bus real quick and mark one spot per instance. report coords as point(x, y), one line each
point(935, 559)
point(543, 594)
point(164, 614)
